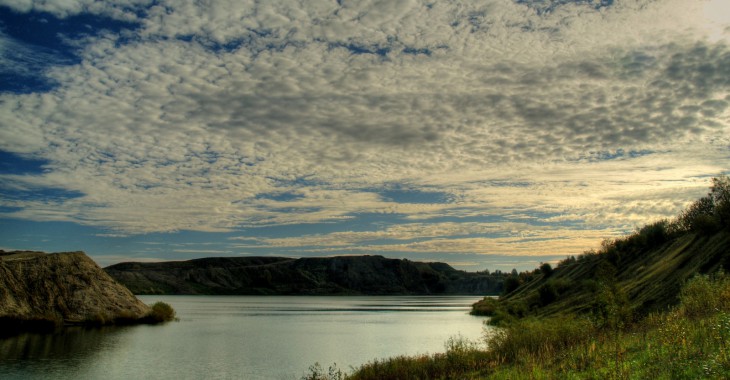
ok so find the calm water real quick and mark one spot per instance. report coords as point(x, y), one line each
point(232, 337)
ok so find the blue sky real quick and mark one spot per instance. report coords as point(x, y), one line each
point(491, 134)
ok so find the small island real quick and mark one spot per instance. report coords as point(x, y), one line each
point(40, 291)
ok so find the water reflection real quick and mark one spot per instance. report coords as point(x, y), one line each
point(70, 342)
point(244, 337)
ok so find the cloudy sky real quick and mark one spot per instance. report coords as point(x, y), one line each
point(492, 134)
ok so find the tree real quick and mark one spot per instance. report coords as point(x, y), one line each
point(720, 193)
point(511, 283)
point(698, 215)
point(711, 212)
point(546, 269)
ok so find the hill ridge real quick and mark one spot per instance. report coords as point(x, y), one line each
point(640, 273)
point(354, 275)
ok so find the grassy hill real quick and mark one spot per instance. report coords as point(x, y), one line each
point(639, 274)
point(645, 279)
point(655, 304)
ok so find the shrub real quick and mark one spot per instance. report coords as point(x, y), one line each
point(162, 312)
point(538, 339)
point(461, 357)
point(611, 308)
point(316, 372)
point(546, 269)
point(488, 307)
point(704, 295)
point(653, 235)
point(547, 293)
point(511, 284)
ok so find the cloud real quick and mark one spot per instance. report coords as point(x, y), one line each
point(506, 239)
point(600, 117)
point(120, 9)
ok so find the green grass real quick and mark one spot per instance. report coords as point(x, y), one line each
point(689, 341)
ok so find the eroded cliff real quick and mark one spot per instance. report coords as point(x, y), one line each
point(62, 288)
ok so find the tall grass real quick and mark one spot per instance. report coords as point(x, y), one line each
point(687, 342)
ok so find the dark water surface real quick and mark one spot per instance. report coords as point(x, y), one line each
point(240, 337)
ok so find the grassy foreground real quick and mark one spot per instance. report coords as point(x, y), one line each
point(689, 341)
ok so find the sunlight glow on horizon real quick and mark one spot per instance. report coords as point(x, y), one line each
point(446, 131)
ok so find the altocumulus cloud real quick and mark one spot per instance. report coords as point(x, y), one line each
point(574, 119)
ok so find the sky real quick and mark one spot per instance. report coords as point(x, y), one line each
point(492, 134)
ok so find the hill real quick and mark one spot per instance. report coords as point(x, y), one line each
point(60, 289)
point(655, 304)
point(635, 275)
point(366, 275)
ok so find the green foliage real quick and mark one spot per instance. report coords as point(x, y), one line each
point(498, 311)
point(546, 269)
point(486, 307)
point(682, 343)
point(605, 272)
point(511, 284)
point(532, 339)
point(710, 213)
point(548, 293)
point(162, 312)
point(704, 295)
point(461, 358)
point(611, 308)
point(653, 235)
point(567, 261)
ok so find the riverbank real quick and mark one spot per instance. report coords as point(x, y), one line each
point(687, 341)
point(653, 304)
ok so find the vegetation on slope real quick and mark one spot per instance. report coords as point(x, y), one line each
point(641, 273)
point(689, 341)
point(654, 304)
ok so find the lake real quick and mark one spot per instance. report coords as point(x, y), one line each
point(242, 337)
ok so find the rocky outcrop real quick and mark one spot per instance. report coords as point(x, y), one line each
point(368, 275)
point(62, 288)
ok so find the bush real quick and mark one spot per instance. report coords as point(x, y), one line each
point(611, 307)
point(316, 372)
point(547, 293)
point(546, 269)
point(704, 295)
point(653, 235)
point(461, 357)
point(511, 284)
point(162, 312)
point(487, 307)
point(538, 339)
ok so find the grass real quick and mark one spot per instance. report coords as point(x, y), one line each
point(689, 341)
